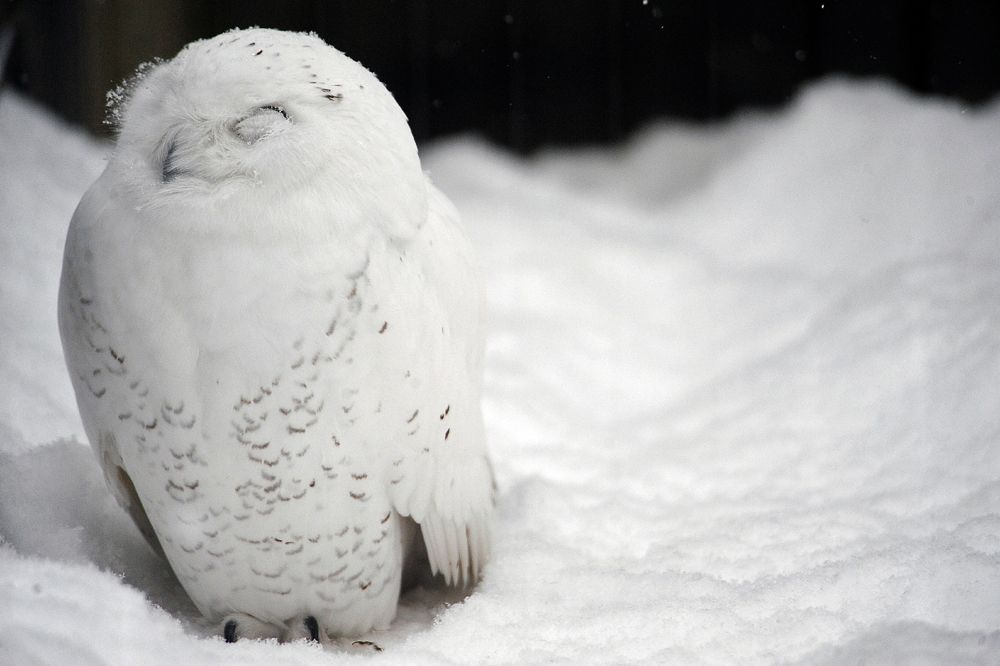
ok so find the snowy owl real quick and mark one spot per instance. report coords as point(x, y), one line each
point(273, 324)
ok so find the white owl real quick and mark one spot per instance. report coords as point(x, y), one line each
point(273, 324)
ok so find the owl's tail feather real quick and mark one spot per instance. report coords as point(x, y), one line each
point(457, 550)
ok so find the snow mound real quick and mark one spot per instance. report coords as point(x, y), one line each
point(742, 392)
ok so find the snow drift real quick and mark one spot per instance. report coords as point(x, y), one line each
point(742, 393)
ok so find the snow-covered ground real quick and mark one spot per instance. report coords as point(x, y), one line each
point(742, 393)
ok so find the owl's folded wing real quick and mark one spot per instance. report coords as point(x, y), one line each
point(97, 365)
point(440, 473)
point(449, 492)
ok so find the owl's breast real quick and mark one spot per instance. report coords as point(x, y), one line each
point(217, 322)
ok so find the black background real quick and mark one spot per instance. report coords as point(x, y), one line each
point(527, 74)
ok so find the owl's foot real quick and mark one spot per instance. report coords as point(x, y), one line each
point(304, 627)
point(241, 625)
point(238, 626)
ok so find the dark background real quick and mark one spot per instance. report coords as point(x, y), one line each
point(531, 73)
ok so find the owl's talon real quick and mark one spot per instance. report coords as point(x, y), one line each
point(313, 628)
point(241, 625)
point(229, 631)
point(304, 628)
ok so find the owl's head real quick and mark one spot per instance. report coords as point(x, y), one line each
point(259, 118)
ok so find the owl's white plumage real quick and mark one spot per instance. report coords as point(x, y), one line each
point(273, 324)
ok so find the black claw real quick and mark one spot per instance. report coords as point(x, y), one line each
point(313, 626)
point(229, 631)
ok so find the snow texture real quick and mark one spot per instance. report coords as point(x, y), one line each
point(742, 393)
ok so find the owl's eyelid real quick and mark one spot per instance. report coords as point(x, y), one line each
point(274, 107)
point(261, 123)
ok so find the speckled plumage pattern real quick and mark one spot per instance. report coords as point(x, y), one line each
point(273, 324)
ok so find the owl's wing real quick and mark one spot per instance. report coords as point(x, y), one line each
point(440, 473)
point(450, 495)
point(96, 362)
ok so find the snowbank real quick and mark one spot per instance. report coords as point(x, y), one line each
point(743, 395)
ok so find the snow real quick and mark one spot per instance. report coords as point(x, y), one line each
point(741, 392)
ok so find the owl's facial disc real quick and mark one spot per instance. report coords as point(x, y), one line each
point(179, 151)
